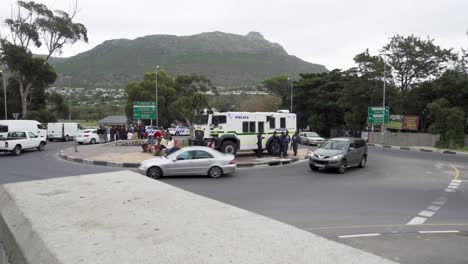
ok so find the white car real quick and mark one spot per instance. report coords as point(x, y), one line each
point(311, 138)
point(179, 131)
point(89, 136)
point(17, 141)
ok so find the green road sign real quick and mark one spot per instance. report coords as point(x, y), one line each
point(374, 115)
point(144, 110)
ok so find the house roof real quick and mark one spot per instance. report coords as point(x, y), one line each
point(113, 120)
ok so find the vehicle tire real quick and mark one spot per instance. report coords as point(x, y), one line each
point(17, 150)
point(93, 141)
point(50, 140)
point(41, 146)
point(67, 138)
point(273, 148)
point(215, 172)
point(81, 143)
point(154, 172)
point(229, 147)
point(177, 134)
point(343, 167)
point(363, 162)
point(312, 167)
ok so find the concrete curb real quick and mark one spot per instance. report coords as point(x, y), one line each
point(136, 165)
point(443, 151)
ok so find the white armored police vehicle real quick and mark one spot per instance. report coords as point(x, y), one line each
point(233, 131)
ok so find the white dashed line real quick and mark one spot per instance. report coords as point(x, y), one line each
point(450, 190)
point(439, 202)
point(439, 232)
point(426, 213)
point(417, 221)
point(433, 208)
point(360, 235)
point(459, 181)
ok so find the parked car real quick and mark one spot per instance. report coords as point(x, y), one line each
point(179, 131)
point(311, 138)
point(63, 131)
point(88, 136)
point(22, 125)
point(151, 130)
point(195, 160)
point(17, 141)
point(340, 154)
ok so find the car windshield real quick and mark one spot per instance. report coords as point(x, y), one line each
point(311, 134)
point(335, 144)
point(200, 120)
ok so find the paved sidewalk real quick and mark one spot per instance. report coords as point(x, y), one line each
point(111, 154)
point(420, 148)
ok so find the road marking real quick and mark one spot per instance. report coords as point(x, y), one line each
point(438, 202)
point(433, 208)
point(360, 235)
point(452, 187)
point(426, 213)
point(417, 221)
point(450, 190)
point(457, 173)
point(457, 181)
point(439, 232)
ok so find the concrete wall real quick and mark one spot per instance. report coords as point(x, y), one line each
point(124, 217)
point(404, 139)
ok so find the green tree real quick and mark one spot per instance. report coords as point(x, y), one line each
point(145, 91)
point(447, 121)
point(317, 96)
point(280, 86)
point(33, 25)
point(414, 60)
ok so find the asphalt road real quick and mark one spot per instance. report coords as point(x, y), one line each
point(377, 201)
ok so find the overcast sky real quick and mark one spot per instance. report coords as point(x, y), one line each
point(328, 32)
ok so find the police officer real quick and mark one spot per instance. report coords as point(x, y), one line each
point(282, 142)
point(259, 143)
point(285, 143)
point(295, 142)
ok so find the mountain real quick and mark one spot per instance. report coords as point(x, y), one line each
point(227, 59)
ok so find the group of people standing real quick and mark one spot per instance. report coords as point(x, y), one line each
point(120, 132)
point(282, 141)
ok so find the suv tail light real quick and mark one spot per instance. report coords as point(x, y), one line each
point(232, 162)
point(86, 135)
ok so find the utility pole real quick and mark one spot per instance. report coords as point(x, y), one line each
point(4, 93)
point(156, 105)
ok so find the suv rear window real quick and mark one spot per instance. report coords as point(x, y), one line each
point(3, 129)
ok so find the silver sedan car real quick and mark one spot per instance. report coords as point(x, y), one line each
point(193, 160)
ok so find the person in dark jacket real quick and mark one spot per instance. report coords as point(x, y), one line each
point(259, 143)
point(282, 142)
point(295, 142)
point(276, 141)
point(286, 144)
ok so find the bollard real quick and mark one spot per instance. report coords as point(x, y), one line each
point(76, 144)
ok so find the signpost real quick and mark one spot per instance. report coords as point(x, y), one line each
point(375, 115)
point(144, 110)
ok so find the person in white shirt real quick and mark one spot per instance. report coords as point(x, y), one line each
point(170, 146)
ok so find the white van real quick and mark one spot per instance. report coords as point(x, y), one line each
point(22, 125)
point(63, 131)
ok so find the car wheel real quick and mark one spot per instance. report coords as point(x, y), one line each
point(154, 172)
point(177, 133)
point(363, 162)
point(273, 148)
point(312, 167)
point(17, 150)
point(50, 140)
point(41, 146)
point(81, 143)
point(343, 167)
point(215, 172)
point(229, 147)
point(93, 141)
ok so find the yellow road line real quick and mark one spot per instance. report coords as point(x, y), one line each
point(457, 172)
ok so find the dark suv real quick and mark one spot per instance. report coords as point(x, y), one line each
point(340, 154)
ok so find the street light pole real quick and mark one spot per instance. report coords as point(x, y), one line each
point(291, 84)
point(69, 99)
point(383, 98)
point(4, 93)
point(156, 105)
